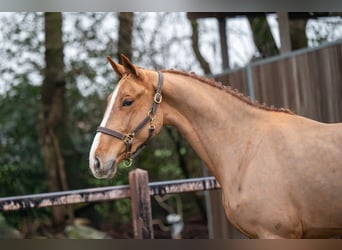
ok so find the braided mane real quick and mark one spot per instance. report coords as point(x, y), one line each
point(230, 90)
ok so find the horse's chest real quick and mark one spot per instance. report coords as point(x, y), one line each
point(237, 214)
point(233, 205)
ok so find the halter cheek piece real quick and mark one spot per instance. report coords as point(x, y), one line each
point(129, 138)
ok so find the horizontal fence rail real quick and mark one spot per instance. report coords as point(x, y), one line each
point(104, 194)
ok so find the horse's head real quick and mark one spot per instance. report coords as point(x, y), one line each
point(131, 118)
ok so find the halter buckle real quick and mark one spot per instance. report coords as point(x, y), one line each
point(152, 127)
point(158, 98)
point(129, 138)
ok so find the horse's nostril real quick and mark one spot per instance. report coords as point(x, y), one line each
point(103, 169)
point(97, 165)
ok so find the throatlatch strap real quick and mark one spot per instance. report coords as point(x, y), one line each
point(158, 97)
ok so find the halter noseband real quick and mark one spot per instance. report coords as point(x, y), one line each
point(129, 138)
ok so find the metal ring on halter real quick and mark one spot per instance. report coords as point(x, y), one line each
point(152, 127)
point(158, 98)
point(128, 162)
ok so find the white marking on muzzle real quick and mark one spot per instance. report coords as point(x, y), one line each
point(105, 119)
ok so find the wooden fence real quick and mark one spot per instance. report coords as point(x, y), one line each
point(307, 81)
point(139, 191)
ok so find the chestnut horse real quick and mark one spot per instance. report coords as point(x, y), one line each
point(280, 173)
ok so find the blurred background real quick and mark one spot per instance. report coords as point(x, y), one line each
point(54, 83)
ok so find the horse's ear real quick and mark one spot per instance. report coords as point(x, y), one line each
point(118, 68)
point(129, 66)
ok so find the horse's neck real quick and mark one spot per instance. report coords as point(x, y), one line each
point(215, 123)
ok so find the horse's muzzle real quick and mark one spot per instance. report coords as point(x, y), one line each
point(103, 170)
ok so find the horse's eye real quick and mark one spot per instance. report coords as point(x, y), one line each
point(127, 102)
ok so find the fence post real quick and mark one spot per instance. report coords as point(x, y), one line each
point(141, 204)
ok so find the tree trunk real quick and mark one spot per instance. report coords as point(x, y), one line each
point(263, 37)
point(298, 33)
point(195, 46)
point(223, 42)
point(126, 20)
point(51, 117)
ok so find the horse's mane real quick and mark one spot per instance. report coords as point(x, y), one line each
point(230, 90)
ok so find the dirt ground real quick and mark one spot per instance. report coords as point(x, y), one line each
point(193, 229)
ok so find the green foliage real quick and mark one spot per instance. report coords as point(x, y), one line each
point(88, 40)
point(6, 231)
point(21, 165)
point(78, 231)
point(21, 162)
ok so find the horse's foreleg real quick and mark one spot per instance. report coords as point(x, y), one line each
point(268, 235)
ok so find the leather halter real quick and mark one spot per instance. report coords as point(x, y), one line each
point(129, 138)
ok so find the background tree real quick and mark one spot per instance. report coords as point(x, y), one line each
point(262, 36)
point(126, 21)
point(298, 33)
point(196, 48)
point(53, 110)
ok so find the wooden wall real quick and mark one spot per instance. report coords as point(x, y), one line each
point(307, 81)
